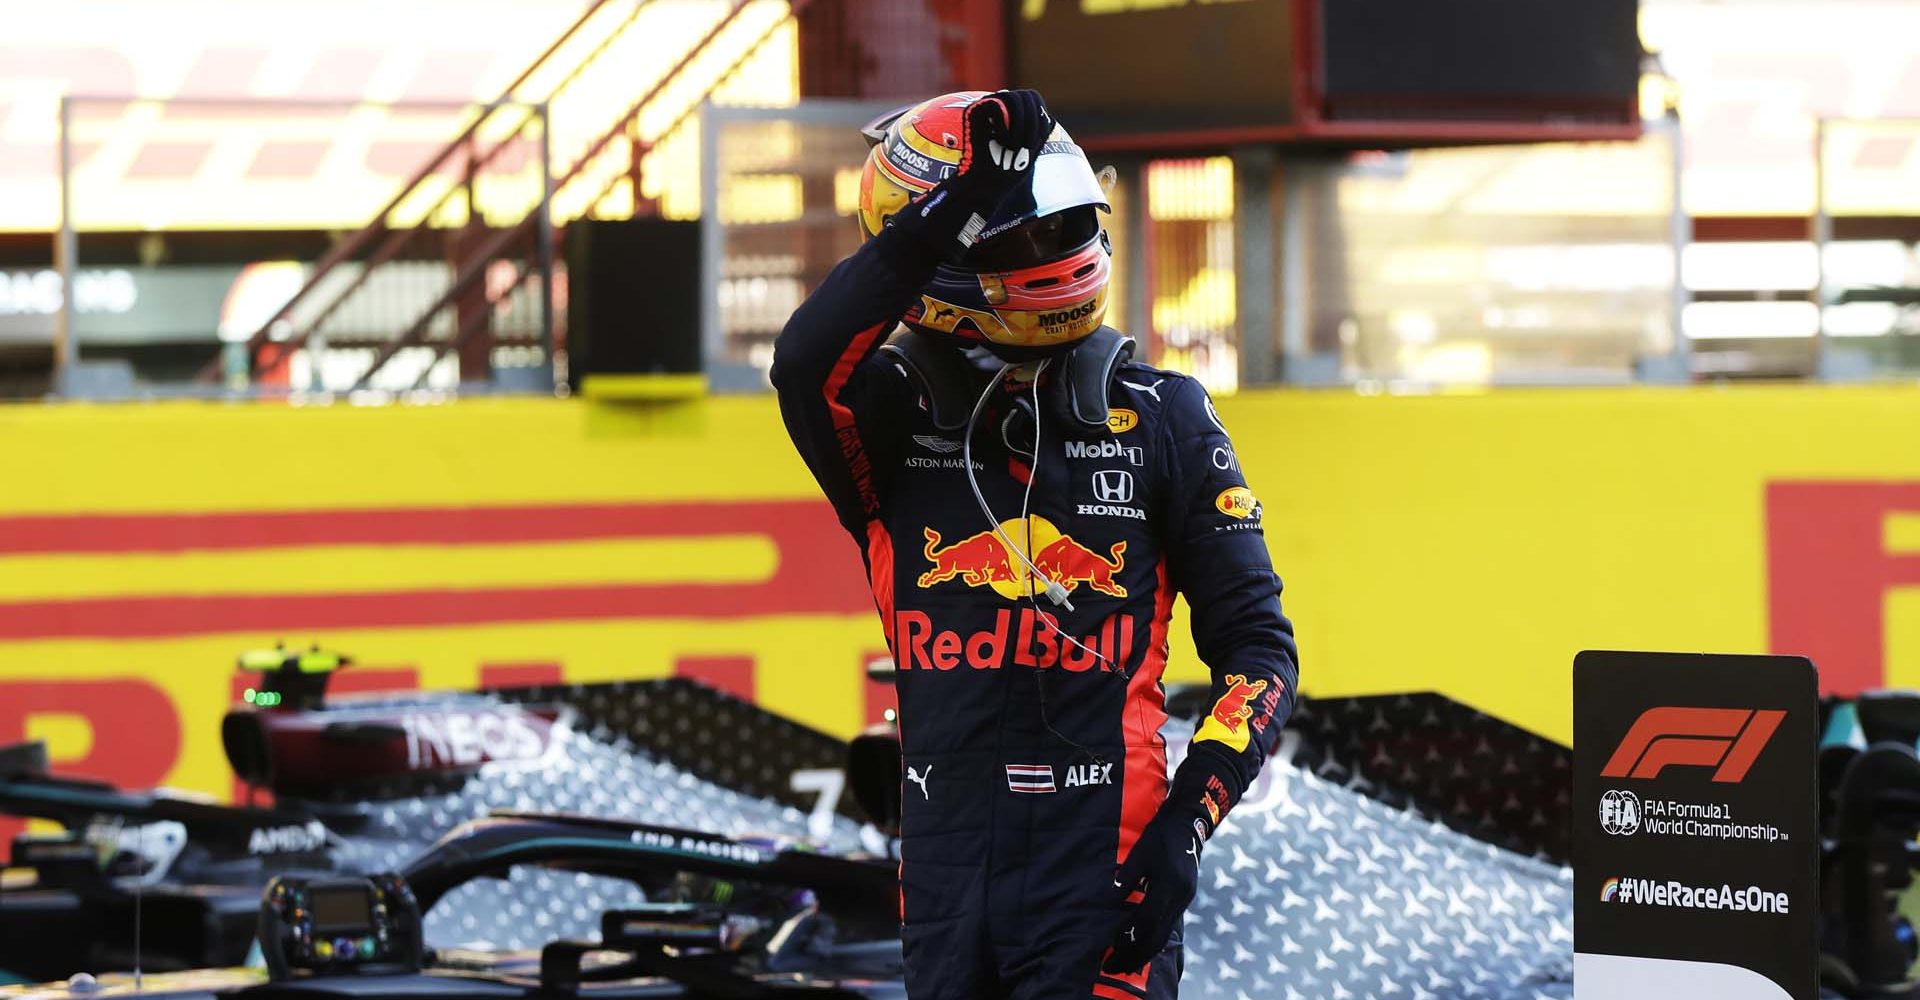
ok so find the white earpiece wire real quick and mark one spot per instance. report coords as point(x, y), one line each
point(1026, 505)
point(1055, 592)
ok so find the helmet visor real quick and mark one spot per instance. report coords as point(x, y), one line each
point(1036, 241)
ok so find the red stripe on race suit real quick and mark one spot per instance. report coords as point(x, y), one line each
point(880, 574)
point(879, 542)
point(1144, 784)
point(1137, 980)
point(846, 430)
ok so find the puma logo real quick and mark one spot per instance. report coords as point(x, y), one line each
point(1151, 390)
point(942, 312)
point(920, 778)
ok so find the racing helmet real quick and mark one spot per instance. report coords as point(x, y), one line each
point(1036, 278)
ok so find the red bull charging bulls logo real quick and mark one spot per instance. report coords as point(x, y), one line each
point(1227, 723)
point(1029, 637)
point(984, 560)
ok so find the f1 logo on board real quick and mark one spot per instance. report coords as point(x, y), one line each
point(1726, 739)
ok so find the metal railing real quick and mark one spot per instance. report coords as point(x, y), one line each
point(538, 224)
point(499, 261)
point(397, 238)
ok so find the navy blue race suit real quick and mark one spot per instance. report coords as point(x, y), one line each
point(1032, 764)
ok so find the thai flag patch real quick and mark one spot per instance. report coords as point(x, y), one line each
point(1032, 779)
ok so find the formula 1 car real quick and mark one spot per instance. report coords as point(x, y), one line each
point(359, 786)
point(792, 923)
point(1402, 840)
point(186, 871)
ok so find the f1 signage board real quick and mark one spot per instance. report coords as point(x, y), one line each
point(1695, 839)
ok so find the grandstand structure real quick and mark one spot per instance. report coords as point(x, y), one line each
point(217, 215)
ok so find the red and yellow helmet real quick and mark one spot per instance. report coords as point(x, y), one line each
point(1037, 277)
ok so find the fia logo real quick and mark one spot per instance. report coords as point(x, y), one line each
point(1620, 813)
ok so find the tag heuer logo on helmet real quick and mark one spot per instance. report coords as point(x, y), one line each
point(1105, 449)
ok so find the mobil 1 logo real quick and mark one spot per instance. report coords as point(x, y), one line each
point(1695, 838)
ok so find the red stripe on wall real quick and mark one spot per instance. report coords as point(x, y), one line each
point(134, 726)
point(1829, 573)
point(148, 617)
point(510, 675)
point(79, 533)
point(732, 674)
point(816, 571)
point(350, 680)
point(374, 680)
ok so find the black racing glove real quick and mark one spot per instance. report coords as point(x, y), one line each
point(1156, 883)
point(1004, 133)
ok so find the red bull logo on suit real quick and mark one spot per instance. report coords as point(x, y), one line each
point(985, 560)
point(1031, 637)
point(1026, 640)
point(1228, 722)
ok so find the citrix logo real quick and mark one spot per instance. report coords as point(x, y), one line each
point(1726, 739)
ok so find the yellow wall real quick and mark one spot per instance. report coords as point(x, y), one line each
point(1464, 544)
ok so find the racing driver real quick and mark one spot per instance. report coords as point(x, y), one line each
point(1028, 501)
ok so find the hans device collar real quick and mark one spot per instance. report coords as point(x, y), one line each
point(950, 382)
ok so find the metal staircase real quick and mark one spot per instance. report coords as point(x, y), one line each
point(492, 266)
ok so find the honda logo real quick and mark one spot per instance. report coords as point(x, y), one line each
point(1726, 739)
point(1113, 486)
